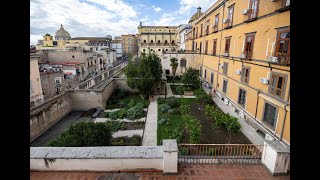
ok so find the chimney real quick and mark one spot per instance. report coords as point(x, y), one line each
point(199, 10)
point(140, 23)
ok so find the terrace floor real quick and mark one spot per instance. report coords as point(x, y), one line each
point(197, 172)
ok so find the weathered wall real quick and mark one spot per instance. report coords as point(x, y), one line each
point(47, 114)
point(92, 98)
point(67, 56)
point(106, 158)
point(122, 84)
point(192, 61)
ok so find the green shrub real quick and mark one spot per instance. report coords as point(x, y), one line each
point(115, 126)
point(84, 134)
point(200, 94)
point(163, 108)
point(180, 89)
point(175, 111)
point(161, 101)
point(113, 115)
point(176, 133)
point(122, 113)
point(122, 104)
point(136, 112)
point(194, 127)
point(170, 111)
point(162, 121)
point(172, 101)
point(135, 141)
point(131, 103)
point(107, 114)
point(184, 108)
point(233, 124)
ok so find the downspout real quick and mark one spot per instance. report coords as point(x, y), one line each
point(285, 114)
point(255, 116)
point(220, 42)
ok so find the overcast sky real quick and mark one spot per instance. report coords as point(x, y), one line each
point(103, 17)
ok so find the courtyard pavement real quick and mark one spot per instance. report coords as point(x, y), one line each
point(185, 172)
point(150, 129)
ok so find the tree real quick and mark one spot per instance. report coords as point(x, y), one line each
point(84, 134)
point(190, 78)
point(174, 64)
point(144, 74)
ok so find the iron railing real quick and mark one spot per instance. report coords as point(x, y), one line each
point(220, 153)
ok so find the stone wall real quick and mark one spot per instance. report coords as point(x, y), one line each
point(67, 56)
point(45, 115)
point(106, 158)
point(192, 61)
point(122, 84)
point(86, 99)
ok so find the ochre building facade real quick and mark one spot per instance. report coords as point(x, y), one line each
point(244, 48)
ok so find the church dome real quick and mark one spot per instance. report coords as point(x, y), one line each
point(196, 15)
point(62, 34)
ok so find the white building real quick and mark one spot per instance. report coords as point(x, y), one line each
point(181, 36)
point(116, 45)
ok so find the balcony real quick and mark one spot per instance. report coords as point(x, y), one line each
point(159, 44)
point(173, 44)
point(284, 6)
point(215, 28)
point(251, 15)
point(166, 44)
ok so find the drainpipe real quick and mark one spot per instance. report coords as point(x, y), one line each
point(255, 116)
point(285, 114)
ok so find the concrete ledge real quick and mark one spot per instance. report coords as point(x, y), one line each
point(116, 152)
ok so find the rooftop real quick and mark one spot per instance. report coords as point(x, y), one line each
point(89, 38)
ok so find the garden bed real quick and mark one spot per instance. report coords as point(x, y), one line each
point(174, 89)
point(176, 127)
point(120, 99)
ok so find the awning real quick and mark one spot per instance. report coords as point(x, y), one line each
point(68, 73)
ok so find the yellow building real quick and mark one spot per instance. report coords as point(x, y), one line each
point(61, 38)
point(129, 44)
point(245, 56)
point(157, 38)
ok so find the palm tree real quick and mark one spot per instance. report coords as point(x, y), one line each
point(174, 64)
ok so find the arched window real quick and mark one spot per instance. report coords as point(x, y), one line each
point(183, 62)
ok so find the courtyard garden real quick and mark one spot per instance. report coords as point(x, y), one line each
point(197, 120)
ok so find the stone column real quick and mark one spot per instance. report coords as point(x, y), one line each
point(170, 156)
point(276, 157)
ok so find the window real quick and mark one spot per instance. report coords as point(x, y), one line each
point(196, 32)
point(277, 84)
point(230, 16)
point(201, 27)
point(206, 48)
point(211, 78)
point(144, 41)
point(242, 97)
point(165, 41)
point(285, 3)
point(227, 45)
point(151, 41)
point(183, 62)
point(172, 42)
point(158, 41)
point(58, 90)
point(283, 46)
point(225, 86)
point(248, 48)
point(201, 71)
point(245, 74)
point(214, 47)
point(270, 115)
point(72, 56)
point(225, 68)
point(166, 49)
point(167, 71)
point(253, 9)
point(200, 47)
point(216, 22)
point(207, 27)
point(159, 49)
point(57, 80)
point(205, 74)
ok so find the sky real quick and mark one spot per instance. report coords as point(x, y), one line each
point(98, 18)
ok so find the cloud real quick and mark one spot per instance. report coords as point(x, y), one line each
point(186, 6)
point(82, 18)
point(170, 19)
point(156, 9)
